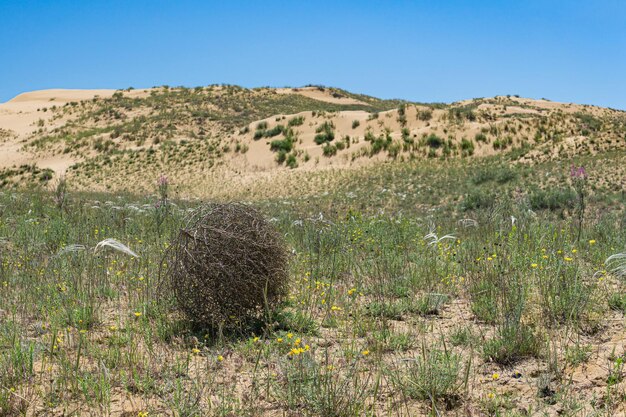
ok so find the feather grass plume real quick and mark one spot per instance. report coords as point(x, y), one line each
point(115, 245)
point(70, 249)
point(616, 264)
point(432, 238)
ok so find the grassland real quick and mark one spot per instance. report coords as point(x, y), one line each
point(430, 287)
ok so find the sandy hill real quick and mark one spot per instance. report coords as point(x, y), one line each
point(123, 139)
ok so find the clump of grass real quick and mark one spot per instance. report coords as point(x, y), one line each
point(436, 375)
point(512, 343)
point(617, 302)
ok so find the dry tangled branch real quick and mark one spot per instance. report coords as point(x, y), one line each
point(226, 265)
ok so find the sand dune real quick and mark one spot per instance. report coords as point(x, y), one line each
point(200, 114)
point(317, 94)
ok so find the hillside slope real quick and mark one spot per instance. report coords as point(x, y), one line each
point(113, 140)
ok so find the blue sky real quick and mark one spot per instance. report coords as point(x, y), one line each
point(417, 50)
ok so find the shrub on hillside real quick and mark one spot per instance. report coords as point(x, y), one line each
point(325, 133)
point(434, 141)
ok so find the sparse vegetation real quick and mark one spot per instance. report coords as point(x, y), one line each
point(434, 284)
point(325, 133)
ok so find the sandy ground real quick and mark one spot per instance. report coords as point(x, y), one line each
point(317, 94)
point(20, 117)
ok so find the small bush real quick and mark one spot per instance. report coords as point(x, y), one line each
point(281, 156)
point(355, 124)
point(424, 115)
point(556, 199)
point(467, 147)
point(501, 174)
point(329, 150)
point(281, 145)
point(292, 162)
point(406, 136)
point(477, 200)
point(434, 141)
point(325, 133)
point(480, 137)
point(296, 121)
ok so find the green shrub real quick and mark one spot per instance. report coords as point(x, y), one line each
point(424, 115)
point(406, 136)
point(275, 131)
point(434, 141)
point(282, 145)
point(296, 121)
point(589, 122)
point(325, 133)
point(501, 174)
point(281, 156)
point(467, 147)
point(503, 143)
point(355, 124)
point(511, 343)
point(617, 301)
point(329, 150)
point(478, 200)
point(292, 162)
point(480, 137)
point(554, 199)
point(434, 376)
